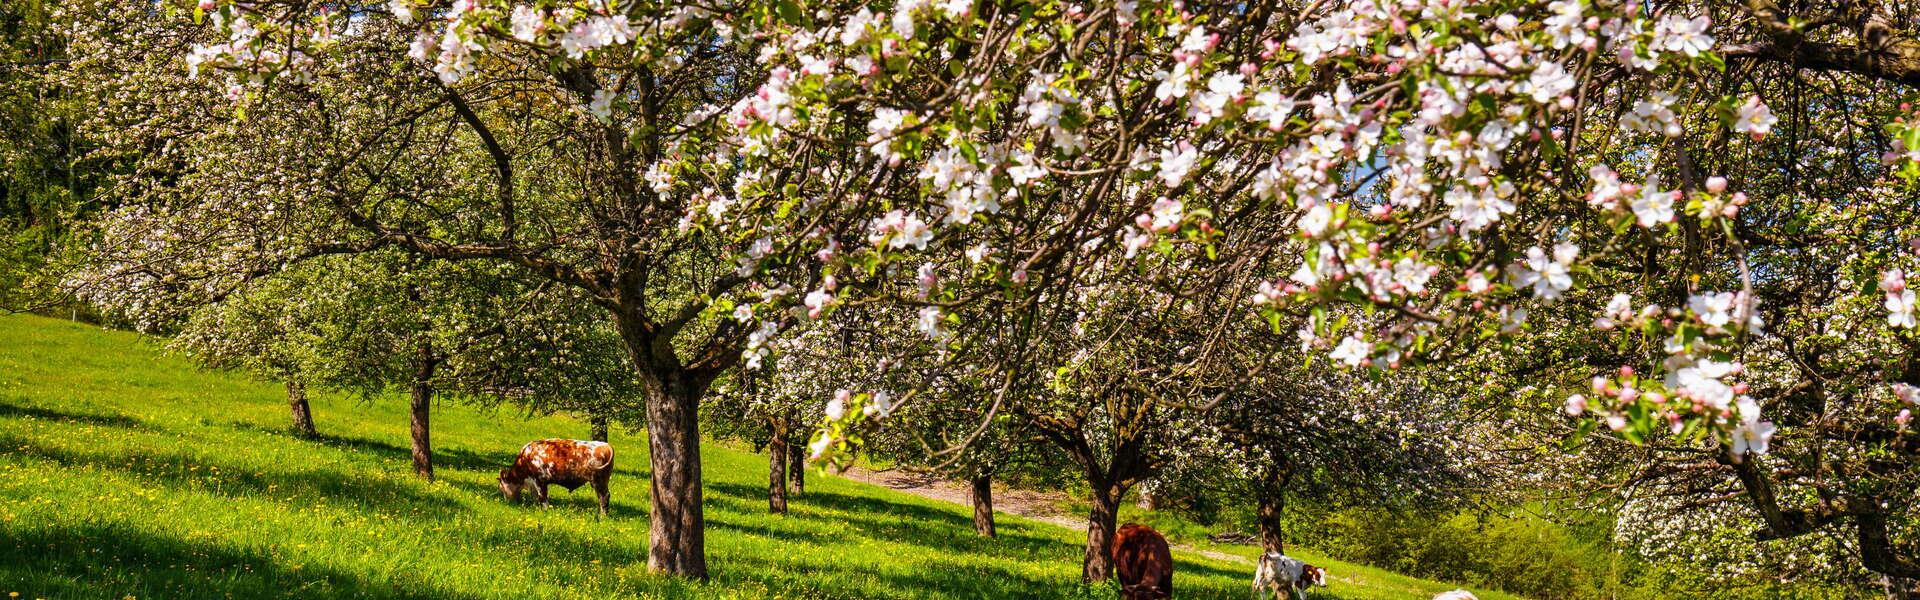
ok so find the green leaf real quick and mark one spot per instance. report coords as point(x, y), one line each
point(1579, 435)
point(1632, 434)
point(791, 13)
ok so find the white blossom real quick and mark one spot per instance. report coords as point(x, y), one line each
point(1680, 34)
point(1351, 351)
point(1173, 83)
point(528, 23)
point(837, 407)
point(1548, 276)
point(1900, 313)
point(402, 10)
point(913, 232)
point(1175, 162)
point(1653, 206)
point(879, 405)
point(1752, 437)
point(602, 105)
point(1754, 118)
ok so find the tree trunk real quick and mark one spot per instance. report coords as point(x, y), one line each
point(422, 395)
point(1268, 513)
point(983, 505)
point(302, 413)
point(797, 466)
point(599, 423)
point(777, 471)
point(677, 531)
point(1102, 520)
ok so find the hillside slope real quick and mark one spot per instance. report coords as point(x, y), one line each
point(128, 473)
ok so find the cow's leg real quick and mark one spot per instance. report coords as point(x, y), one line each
point(600, 490)
point(543, 495)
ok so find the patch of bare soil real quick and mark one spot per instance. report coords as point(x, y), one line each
point(1036, 505)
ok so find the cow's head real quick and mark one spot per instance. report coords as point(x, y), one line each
point(510, 485)
point(1315, 575)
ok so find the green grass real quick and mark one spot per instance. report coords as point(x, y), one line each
point(128, 473)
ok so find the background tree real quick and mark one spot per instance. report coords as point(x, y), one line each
point(747, 407)
point(1336, 440)
point(49, 175)
point(265, 331)
point(476, 332)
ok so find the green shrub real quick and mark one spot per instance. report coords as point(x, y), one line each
point(1523, 555)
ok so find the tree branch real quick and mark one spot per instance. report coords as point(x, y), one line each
point(1882, 53)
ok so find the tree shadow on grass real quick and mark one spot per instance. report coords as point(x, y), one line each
point(951, 530)
point(1187, 565)
point(106, 561)
point(814, 563)
point(747, 495)
point(862, 579)
point(580, 502)
point(179, 471)
point(12, 407)
point(974, 581)
point(450, 458)
point(947, 531)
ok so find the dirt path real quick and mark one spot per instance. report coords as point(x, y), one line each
point(1039, 506)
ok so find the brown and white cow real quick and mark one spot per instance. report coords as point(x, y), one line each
point(1143, 563)
point(1283, 576)
point(567, 463)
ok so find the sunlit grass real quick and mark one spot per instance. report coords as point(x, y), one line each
point(124, 472)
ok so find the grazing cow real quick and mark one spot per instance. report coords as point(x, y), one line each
point(1280, 574)
point(568, 463)
point(1143, 563)
point(1455, 595)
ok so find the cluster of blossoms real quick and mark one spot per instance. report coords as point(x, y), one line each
point(967, 185)
point(263, 45)
point(1700, 386)
point(1909, 398)
point(844, 414)
point(898, 230)
point(1899, 301)
point(250, 51)
point(1469, 149)
point(1691, 543)
point(1905, 154)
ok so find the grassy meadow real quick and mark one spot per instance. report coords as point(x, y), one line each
point(125, 472)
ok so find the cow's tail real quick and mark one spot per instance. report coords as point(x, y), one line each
point(596, 463)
